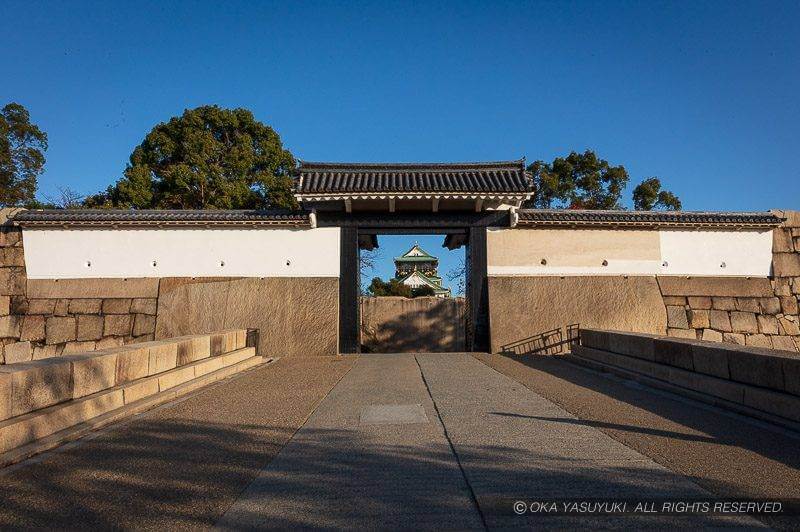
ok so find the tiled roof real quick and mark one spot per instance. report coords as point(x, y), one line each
point(159, 217)
point(550, 217)
point(353, 178)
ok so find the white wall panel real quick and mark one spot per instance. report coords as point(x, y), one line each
point(677, 252)
point(181, 252)
point(739, 253)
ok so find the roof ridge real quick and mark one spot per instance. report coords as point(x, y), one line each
point(408, 165)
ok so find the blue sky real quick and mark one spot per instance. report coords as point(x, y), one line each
point(701, 94)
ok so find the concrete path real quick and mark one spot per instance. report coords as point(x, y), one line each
point(443, 441)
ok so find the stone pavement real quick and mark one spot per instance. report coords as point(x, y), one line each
point(179, 466)
point(442, 441)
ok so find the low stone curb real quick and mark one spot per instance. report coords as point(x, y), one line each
point(80, 430)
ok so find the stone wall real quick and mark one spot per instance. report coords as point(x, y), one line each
point(418, 325)
point(41, 319)
point(522, 307)
point(756, 312)
point(295, 316)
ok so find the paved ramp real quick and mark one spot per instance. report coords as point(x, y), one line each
point(443, 441)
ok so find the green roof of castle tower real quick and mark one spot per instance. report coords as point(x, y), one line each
point(416, 254)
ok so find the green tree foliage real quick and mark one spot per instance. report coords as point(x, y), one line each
point(22, 147)
point(207, 158)
point(422, 291)
point(648, 196)
point(393, 287)
point(585, 181)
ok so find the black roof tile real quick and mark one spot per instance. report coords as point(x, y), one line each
point(507, 177)
point(644, 218)
point(158, 217)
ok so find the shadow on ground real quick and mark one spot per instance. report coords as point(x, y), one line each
point(729, 455)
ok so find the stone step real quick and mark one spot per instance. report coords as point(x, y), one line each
point(775, 407)
point(30, 386)
point(30, 433)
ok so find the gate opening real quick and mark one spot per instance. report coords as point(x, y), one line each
point(412, 293)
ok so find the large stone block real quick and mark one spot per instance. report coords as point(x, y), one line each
point(223, 342)
point(710, 335)
point(755, 366)
point(144, 306)
point(143, 324)
point(788, 325)
point(90, 327)
point(41, 306)
point(767, 324)
point(92, 372)
point(744, 322)
point(748, 304)
point(523, 307)
point(698, 319)
point(638, 345)
point(47, 351)
point(37, 425)
point(715, 286)
point(117, 325)
point(117, 306)
point(677, 353)
point(676, 317)
point(786, 264)
point(133, 362)
point(782, 241)
point(5, 305)
point(9, 326)
point(5, 396)
point(13, 256)
point(85, 306)
point(175, 377)
point(38, 384)
point(140, 389)
point(770, 305)
point(12, 281)
point(686, 334)
point(71, 348)
point(700, 302)
point(60, 329)
point(32, 328)
point(295, 316)
point(163, 356)
point(62, 307)
point(780, 404)
point(17, 352)
point(791, 374)
point(784, 343)
point(207, 366)
point(733, 338)
point(193, 348)
point(596, 339)
point(109, 342)
point(723, 303)
point(789, 305)
point(92, 288)
point(758, 340)
point(720, 320)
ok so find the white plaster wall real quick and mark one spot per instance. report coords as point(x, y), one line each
point(744, 253)
point(181, 252)
point(681, 252)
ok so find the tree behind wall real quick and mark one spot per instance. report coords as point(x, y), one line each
point(585, 181)
point(22, 147)
point(207, 158)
